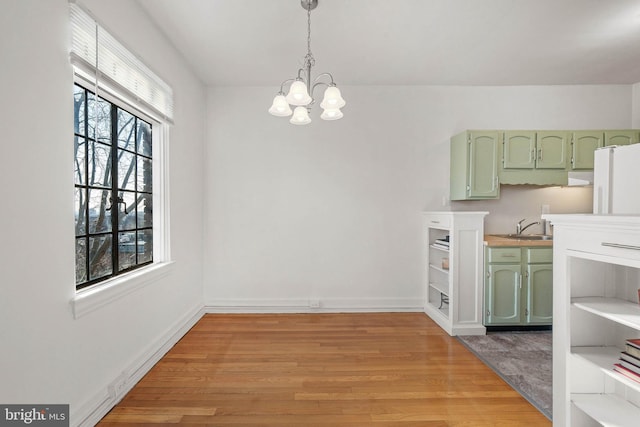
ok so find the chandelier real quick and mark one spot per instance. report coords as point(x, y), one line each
point(301, 88)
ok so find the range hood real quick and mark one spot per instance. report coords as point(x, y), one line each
point(580, 179)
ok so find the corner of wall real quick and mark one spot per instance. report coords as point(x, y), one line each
point(101, 403)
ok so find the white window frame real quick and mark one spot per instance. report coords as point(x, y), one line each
point(91, 298)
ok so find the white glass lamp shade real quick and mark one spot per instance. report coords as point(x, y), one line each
point(298, 94)
point(300, 116)
point(280, 106)
point(331, 114)
point(332, 98)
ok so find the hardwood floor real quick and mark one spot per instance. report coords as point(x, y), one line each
point(387, 369)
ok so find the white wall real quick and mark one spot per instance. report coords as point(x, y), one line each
point(636, 106)
point(47, 356)
point(331, 211)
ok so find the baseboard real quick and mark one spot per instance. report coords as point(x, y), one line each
point(90, 413)
point(313, 305)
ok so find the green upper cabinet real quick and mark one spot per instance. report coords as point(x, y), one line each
point(539, 150)
point(474, 165)
point(519, 150)
point(583, 145)
point(552, 149)
point(621, 137)
point(482, 160)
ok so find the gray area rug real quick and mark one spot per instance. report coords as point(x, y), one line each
point(523, 360)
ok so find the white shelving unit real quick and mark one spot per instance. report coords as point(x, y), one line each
point(453, 276)
point(596, 308)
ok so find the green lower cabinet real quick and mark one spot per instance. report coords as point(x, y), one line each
point(518, 288)
point(502, 294)
point(539, 294)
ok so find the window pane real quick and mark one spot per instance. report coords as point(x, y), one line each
point(126, 129)
point(145, 246)
point(99, 113)
point(126, 170)
point(100, 257)
point(81, 260)
point(99, 216)
point(78, 110)
point(113, 177)
point(144, 138)
point(99, 164)
point(145, 176)
point(126, 250)
point(80, 208)
point(80, 148)
point(145, 210)
point(127, 211)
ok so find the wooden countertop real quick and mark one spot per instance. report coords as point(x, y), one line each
point(492, 240)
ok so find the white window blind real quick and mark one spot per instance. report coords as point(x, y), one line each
point(106, 63)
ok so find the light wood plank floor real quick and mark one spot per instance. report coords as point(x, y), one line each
point(387, 369)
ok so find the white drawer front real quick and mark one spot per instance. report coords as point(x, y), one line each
point(610, 243)
point(438, 221)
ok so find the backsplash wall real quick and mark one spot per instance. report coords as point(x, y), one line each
point(525, 201)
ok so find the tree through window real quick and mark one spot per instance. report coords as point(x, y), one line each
point(113, 189)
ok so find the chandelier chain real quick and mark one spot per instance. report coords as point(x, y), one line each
point(309, 59)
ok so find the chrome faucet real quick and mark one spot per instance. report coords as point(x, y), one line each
point(520, 228)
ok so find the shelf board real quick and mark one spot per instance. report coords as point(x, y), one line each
point(607, 409)
point(621, 311)
point(604, 358)
point(439, 248)
point(443, 288)
point(440, 269)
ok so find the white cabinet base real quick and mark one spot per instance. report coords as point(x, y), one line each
point(596, 279)
point(453, 276)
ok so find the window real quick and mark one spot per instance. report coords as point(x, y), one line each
point(123, 112)
point(113, 189)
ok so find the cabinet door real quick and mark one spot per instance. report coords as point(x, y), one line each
point(584, 143)
point(502, 294)
point(552, 150)
point(519, 150)
point(620, 137)
point(483, 165)
point(539, 294)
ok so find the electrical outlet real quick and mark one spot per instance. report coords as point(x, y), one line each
point(118, 386)
point(314, 303)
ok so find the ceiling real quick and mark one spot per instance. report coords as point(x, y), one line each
point(407, 42)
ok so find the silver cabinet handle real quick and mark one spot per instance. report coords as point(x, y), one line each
point(435, 222)
point(621, 246)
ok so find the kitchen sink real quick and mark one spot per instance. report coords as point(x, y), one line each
point(525, 236)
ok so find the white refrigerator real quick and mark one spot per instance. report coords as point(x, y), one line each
point(616, 180)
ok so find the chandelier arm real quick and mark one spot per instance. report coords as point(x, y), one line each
point(319, 76)
point(284, 83)
point(313, 88)
point(306, 76)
